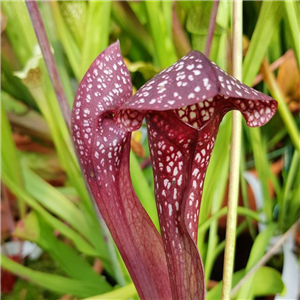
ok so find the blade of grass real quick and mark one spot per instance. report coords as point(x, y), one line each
point(72, 50)
point(56, 203)
point(36, 230)
point(51, 30)
point(49, 59)
point(244, 189)
point(98, 16)
point(294, 209)
point(283, 109)
point(241, 211)
point(9, 158)
point(20, 33)
point(74, 13)
point(283, 197)
point(269, 18)
point(167, 12)
point(272, 251)
point(181, 41)
point(75, 265)
point(274, 286)
point(160, 22)
point(40, 87)
point(291, 19)
point(13, 85)
point(61, 137)
point(58, 284)
point(128, 21)
point(80, 243)
point(211, 27)
point(213, 238)
point(115, 260)
point(257, 251)
point(263, 168)
point(220, 247)
point(119, 294)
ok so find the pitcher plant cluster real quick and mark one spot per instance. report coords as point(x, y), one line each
point(183, 106)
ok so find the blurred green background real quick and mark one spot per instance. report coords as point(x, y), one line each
point(44, 199)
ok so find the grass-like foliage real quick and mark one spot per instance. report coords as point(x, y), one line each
point(116, 142)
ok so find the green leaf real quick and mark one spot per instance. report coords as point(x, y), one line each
point(29, 229)
point(257, 251)
point(69, 260)
point(98, 16)
point(37, 230)
point(260, 245)
point(159, 15)
point(216, 292)
point(267, 281)
point(122, 293)
point(59, 55)
point(39, 84)
point(128, 21)
point(19, 30)
point(262, 166)
point(41, 192)
point(13, 85)
point(292, 21)
point(55, 202)
point(269, 17)
point(242, 211)
point(74, 13)
point(272, 282)
point(9, 158)
point(71, 48)
point(289, 209)
point(198, 18)
point(21, 115)
point(80, 243)
point(244, 189)
point(59, 284)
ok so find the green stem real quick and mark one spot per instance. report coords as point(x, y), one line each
point(235, 157)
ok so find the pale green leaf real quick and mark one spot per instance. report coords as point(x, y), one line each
point(59, 284)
